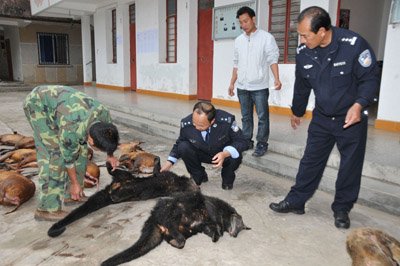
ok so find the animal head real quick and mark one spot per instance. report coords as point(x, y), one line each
point(141, 162)
point(132, 146)
point(119, 174)
point(236, 225)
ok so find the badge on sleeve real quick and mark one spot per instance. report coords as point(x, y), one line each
point(234, 127)
point(365, 58)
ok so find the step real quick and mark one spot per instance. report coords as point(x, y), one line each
point(15, 88)
point(380, 185)
point(374, 193)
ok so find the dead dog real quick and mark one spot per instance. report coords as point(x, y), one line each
point(367, 246)
point(126, 187)
point(177, 218)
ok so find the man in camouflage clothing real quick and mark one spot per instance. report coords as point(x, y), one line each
point(65, 121)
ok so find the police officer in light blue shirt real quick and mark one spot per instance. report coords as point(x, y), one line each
point(209, 136)
point(340, 67)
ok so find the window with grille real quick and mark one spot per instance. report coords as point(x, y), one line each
point(171, 31)
point(114, 34)
point(283, 26)
point(53, 48)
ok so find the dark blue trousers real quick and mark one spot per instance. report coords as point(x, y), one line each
point(193, 157)
point(323, 133)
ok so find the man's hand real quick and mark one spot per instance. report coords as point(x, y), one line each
point(353, 115)
point(76, 191)
point(219, 158)
point(113, 161)
point(295, 121)
point(166, 166)
point(278, 85)
point(231, 90)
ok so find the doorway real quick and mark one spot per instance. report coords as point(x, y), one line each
point(205, 51)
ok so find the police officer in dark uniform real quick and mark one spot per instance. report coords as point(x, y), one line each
point(340, 67)
point(209, 136)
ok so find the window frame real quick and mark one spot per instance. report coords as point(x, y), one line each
point(287, 29)
point(174, 39)
point(56, 58)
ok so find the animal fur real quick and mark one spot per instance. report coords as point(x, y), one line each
point(371, 247)
point(19, 157)
point(15, 189)
point(180, 217)
point(92, 175)
point(126, 187)
point(125, 148)
point(138, 161)
point(17, 140)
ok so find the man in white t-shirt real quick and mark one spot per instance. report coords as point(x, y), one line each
point(255, 52)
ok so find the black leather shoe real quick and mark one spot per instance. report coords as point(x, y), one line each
point(342, 219)
point(227, 186)
point(205, 179)
point(284, 207)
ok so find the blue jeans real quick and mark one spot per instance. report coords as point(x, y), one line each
point(247, 101)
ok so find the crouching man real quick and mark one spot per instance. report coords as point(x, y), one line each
point(209, 136)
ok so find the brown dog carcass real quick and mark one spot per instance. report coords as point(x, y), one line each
point(138, 161)
point(367, 246)
point(17, 140)
point(20, 158)
point(92, 175)
point(15, 189)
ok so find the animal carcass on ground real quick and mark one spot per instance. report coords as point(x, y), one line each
point(17, 140)
point(367, 246)
point(15, 189)
point(20, 158)
point(138, 161)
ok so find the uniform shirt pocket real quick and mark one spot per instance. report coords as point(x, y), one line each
point(341, 76)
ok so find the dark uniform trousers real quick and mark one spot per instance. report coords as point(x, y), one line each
point(323, 133)
point(193, 157)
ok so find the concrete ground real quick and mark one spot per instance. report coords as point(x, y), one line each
point(275, 239)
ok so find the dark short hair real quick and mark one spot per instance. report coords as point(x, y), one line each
point(319, 18)
point(205, 108)
point(105, 137)
point(245, 10)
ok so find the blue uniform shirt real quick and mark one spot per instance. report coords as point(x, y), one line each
point(344, 74)
point(224, 135)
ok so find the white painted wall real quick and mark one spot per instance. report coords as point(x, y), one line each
point(389, 108)
point(153, 73)
point(12, 33)
point(107, 72)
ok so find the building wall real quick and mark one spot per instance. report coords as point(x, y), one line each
point(153, 74)
point(33, 73)
point(180, 78)
point(389, 108)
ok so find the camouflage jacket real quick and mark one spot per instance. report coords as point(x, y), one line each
point(70, 114)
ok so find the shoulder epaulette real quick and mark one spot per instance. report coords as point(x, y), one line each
point(187, 121)
point(351, 40)
point(300, 47)
point(226, 118)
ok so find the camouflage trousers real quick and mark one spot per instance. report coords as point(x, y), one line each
point(53, 178)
